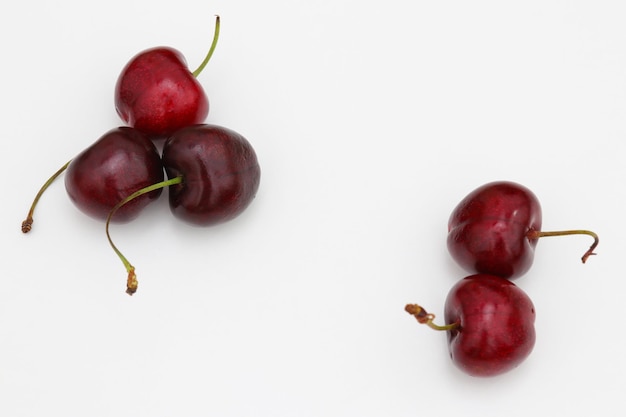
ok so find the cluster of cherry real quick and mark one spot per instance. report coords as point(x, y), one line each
point(212, 172)
point(492, 234)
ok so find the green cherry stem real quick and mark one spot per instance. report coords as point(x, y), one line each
point(28, 223)
point(216, 36)
point(423, 317)
point(132, 283)
point(534, 234)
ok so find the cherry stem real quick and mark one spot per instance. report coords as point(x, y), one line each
point(28, 223)
point(209, 54)
point(423, 317)
point(131, 282)
point(537, 234)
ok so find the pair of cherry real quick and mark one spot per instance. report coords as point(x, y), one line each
point(213, 172)
point(492, 234)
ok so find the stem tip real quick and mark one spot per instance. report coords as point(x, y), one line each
point(28, 224)
point(419, 313)
point(131, 283)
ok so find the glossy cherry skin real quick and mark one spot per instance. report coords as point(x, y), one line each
point(157, 94)
point(496, 329)
point(220, 174)
point(491, 230)
point(120, 162)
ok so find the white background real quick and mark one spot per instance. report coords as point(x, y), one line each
point(371, 120)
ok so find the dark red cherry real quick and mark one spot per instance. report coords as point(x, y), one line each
point(495, 229)
point(158, 94)
point(119, 163)
point(220, 173)
point(490, 324)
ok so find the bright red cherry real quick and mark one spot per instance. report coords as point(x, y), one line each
point(490, 324)
point(157, 94)
point(495, 229)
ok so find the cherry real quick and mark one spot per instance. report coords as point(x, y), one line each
point(157, 94)
point(220, 173)
point(490, 324)
point(121, 161)
point(213, 176)
point(495, 229)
